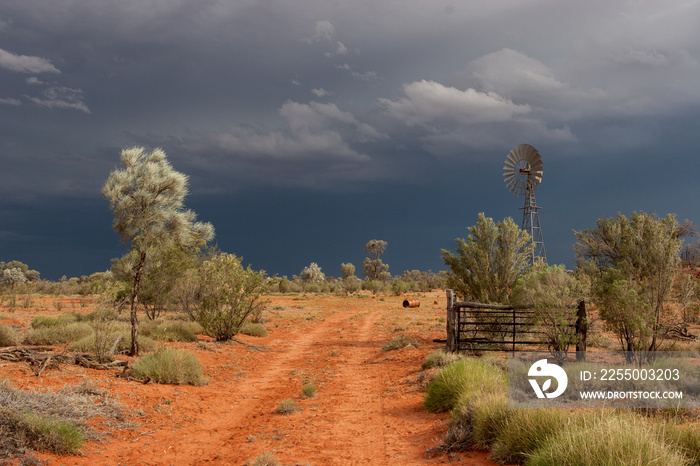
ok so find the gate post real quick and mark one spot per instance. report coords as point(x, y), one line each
point(451, 322)
point(581, 331)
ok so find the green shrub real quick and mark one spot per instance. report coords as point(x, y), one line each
point(616, 440)
point(523, 431)
point(439, 358)
point(23, 430)
point(171, 330)
point(8, 337)
point(226, 294)
point(50, 434)
point(121, 335)
point(308, 390)
point(489, 414)
point(171, 366)
point(458, 382)
point(64, 319)
point(287, 406)
point(266, 459)
point(254, 330)
point(57, 334)
point(401, 341)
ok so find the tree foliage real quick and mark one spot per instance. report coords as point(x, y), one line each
point(486, 265)
point(147, 199)
point(634, 262)
point(373, 268)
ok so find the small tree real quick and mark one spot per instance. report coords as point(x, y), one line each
point(633, 263)
point(553, 293)
point(347, 270)
point(312, 274)
point(147, 200)
point(372, 267)
point(487, 264)
point(226, 295)
point(12, 277)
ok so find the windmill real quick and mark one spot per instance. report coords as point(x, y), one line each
point(522, 173)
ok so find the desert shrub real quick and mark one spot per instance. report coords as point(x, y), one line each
point(284, 285)
point(522, 431)
point(401, 341)
point(308, 390)
point(172, 330)
point(287, 406)
point(254, 330)
point(351, 284)
point(227, 295)
point(399, 287)
point(57, 334)
point(375, 286)
point(170, 366)
point(489, 414)
point(8, 337)
point(553, 294)
point(476, 423)
point(117, 341)
point(43, 321)
point(266, 459)
point(611, 440)
point(50, 434)
point(312, 274)
point(312, 287)
point(455, 384)
point(439, 358)
point(684, 437)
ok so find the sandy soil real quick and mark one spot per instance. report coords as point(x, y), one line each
point(368, 408)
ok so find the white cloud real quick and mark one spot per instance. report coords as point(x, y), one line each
point(61, 97)
point(341, 49)
point(320, 92)
point(10, 101)
point(317, 132)
point(306, 118)
point(25, 63)
point(34, 80)
point(428, 102)
point(323, 31)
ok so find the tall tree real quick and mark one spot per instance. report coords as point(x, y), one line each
point(147, 200)
point(487, 264)
point(372, 267)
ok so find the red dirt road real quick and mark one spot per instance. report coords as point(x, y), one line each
point(368, 408)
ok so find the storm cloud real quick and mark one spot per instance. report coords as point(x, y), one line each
point(392, 111)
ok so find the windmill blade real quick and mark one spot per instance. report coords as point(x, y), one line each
point(523, 165)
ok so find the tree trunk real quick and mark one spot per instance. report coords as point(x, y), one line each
point(134, 305)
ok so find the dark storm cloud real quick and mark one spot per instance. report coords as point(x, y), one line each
point(350, 97)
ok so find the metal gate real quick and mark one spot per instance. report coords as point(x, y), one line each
point(490, 327)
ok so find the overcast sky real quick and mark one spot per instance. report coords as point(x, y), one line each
point(310, 127)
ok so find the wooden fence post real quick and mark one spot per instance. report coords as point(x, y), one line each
point(581, 331)
point(451, 322)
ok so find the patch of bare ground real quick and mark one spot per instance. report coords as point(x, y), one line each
point(367, 408)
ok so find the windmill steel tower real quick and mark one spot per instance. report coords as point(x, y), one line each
point(522, 173)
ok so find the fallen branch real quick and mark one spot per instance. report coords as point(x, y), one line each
point(40, 358)
point(249, 346)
